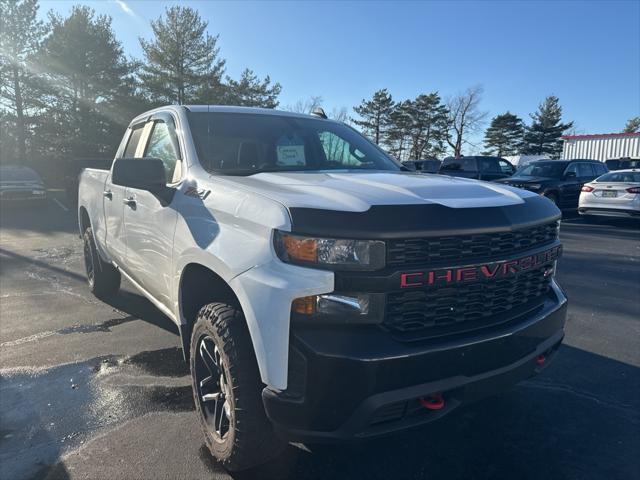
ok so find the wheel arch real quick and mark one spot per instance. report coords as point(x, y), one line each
point(84, 221)
point(199, 285)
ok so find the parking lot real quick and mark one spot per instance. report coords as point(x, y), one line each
point(96, 390)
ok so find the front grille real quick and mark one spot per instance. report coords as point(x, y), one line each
point(423, 251)
point(438, 311)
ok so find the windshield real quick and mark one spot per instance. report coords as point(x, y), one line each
point(243, 144)
point(622, 177)
point(18, 174)
point(542, 169)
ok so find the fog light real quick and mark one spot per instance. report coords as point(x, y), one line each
point(332, 304)
point(340, 308)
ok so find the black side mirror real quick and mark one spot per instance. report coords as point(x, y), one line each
point(142, 173)
point(569, 175)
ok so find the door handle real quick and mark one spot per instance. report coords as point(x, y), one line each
point(108, 194)
point(130, 202)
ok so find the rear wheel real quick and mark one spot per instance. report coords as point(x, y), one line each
point(228, 391)
point(102, 277)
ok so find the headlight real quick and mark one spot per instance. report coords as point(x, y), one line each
point(534, 186)
point(330, 253)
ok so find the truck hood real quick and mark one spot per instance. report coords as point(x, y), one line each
point(357, 192)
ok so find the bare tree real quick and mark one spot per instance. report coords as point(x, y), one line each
point(340, 114)
point(464, 118)
point(305, 106)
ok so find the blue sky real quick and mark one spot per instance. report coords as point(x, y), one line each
point(587, 53)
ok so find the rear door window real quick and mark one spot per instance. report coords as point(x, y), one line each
point(489, 165)
point(585, 170)
point(132, 144)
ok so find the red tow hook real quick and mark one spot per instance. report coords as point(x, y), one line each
point(433, 402)
point(540, 359)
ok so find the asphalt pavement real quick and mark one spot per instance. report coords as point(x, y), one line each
point(98, 390)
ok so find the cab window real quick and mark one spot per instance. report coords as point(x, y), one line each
point(163, 144)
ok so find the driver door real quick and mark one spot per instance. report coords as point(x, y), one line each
point(149, 218)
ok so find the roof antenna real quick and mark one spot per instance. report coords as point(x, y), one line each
point(319, 112)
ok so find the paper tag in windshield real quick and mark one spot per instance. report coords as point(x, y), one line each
point(291, 155)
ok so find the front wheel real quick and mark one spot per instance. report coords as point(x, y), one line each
point(102, 277)
point(228, 391)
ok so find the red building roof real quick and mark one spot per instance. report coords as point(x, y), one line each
point(600, 135)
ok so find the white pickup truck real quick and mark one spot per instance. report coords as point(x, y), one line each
point(321, 292)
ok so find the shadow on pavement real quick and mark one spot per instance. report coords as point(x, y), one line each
point(46, 218)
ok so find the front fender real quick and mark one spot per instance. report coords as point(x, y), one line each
point(265, 293)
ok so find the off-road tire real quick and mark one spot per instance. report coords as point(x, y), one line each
point(250, 439)
point(102, 277)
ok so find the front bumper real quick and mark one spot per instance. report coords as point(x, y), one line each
point(609, 212)
point(347, 384)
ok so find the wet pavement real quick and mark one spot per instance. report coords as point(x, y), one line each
point(95, 390)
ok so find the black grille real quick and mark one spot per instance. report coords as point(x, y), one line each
point(422, 251)
point(439, 311)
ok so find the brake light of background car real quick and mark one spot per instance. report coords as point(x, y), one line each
point(587, 188)
point(633, 190)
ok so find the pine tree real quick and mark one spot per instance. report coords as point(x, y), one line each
point(20, 37)
point(182, 61)
point(543, 136)
point(632, 126)
point(250, 91)
point(374, 114)
point(505, 135)
point(397, 136)
point(428, 126)
point(86, 74)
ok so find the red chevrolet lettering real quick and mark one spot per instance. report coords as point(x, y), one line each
point(405, 280)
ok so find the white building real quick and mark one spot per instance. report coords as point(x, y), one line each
point(601, 147)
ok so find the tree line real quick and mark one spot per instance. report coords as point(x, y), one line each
point(67, 90)
point(428, 126)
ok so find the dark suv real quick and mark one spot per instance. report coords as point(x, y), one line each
point(430, 165)
point(623, 163)
point(558, 180)
point(480, 168)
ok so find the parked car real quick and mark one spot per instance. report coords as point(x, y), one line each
point(20, 183)
point(558, 180)
point(622, 163)
point(424, 166)
point(614, 194)
point(303, 269)
point(479, 168)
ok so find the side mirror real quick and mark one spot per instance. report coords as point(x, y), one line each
point(569, 175)
point(142, 173)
